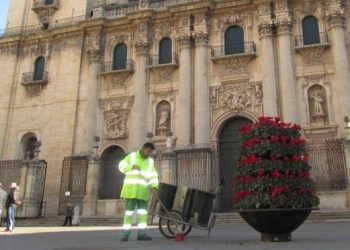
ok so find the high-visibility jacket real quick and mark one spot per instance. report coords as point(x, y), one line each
point(137, 183)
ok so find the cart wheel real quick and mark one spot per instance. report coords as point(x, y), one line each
point(167, 227)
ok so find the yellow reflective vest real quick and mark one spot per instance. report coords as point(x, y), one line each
point(137, 183)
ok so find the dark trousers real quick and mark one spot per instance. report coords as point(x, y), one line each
point(68, 218)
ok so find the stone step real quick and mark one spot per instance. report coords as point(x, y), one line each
point(222, 218)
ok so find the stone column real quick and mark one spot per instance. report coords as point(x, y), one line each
point(201, 91)
point(270, 103)
point(92, 186)
point(287, 76)
point(139, 120)
point(184, 100)
point(88, 96)
point(341, 87)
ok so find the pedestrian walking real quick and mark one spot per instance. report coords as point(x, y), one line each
point(3, 197)
point(69, 215)
point(11, 204)
point(140, 177)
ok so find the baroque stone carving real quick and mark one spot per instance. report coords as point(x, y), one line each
point(118, 79)
point(313, 54)
point(142, 48)
point(258, 91)
point(236, 98)
point(163, 95)
point(39, 49)
point(284, 26)
point(116, 103)
point(164, 71)
point(234, 64)
point(45, 14)
point(119, 38)
point(265, 29)
point(163, 120)
point(201, 38)
point(315, 79)
point(336, 18)
point(165, 29)
point(233, 18)
point(308, 7)
point(317, 105)
point(264, 8)
point(144, 4)
point(184, 41)
point(94, 46)
point(116, 122)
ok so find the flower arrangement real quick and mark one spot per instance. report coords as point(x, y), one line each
point(272, 167)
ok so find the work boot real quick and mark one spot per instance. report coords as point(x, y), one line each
point(144, 237)
point(125, 238)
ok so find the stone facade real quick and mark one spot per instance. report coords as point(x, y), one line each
point(192, 96)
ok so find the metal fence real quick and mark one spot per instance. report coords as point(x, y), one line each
point(10, 171)
point(73, 180)
point(327, 161)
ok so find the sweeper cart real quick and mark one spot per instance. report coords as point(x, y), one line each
point(179, 209)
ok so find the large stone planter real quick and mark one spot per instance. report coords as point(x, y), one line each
point(275, 224)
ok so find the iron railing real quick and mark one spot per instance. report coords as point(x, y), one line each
point(73, 180)
point(29, 77)
point(328, 168)
point(119, 11)
point(44, 3)
point(321, 39)
point(233, 49)
point(10, 171)
point(39, 209)
point(118, 65)
point(163, 59)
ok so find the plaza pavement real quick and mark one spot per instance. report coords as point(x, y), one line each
point(315, 236)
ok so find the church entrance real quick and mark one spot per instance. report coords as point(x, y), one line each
point(111, 179)
point(228, 149)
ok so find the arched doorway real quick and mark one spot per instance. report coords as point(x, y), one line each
point(111, 179)
point(228, 149)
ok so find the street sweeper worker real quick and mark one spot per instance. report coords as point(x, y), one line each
point(140, 177)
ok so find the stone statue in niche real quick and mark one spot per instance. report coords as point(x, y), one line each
point(318, 110)
point(163, 118)
point(317, 105)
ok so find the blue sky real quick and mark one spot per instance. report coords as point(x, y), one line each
point(3, 12)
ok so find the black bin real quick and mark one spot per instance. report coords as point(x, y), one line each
point(202, 203)
point(166, 194)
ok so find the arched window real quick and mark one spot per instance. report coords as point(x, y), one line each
point(311, 33)
point(120, 56)
point(28, 145)
point(39, 68)
point(234, 40)
point(165, 51)
point(111, 179)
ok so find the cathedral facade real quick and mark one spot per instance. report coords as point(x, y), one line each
point(116, 73)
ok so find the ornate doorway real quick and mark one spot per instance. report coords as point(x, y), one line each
point(111, 179)
point(228, 149)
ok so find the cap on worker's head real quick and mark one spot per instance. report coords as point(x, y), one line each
point(13, 185)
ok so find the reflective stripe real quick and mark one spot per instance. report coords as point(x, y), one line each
point(128, 213)
point(153, 181)
point(142, 211)
point(133, 158)
point(127, 226)
point(122, 166)
point(135, 181)
point(133, 172)
point(142, 225)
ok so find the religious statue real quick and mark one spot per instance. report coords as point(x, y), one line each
point(163, 120)
point(318, 110)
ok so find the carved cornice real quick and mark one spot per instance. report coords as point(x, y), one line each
point(265, 29)
point(116, 103)
point(201, 39)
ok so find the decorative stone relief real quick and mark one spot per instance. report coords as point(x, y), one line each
point(308, 7)
point(114, 103)
point(144, 4)
point(119, 38)
point(233, 18)
point(118, 79)
point(335, 13)
point(39, 49)
point(315, 79)
point(265, 29)
point(258, 92)
point(45, 14)
point(142, 48)
point(201, 38)
point(94, 46)
point(284, 26)
point(163, 119)
point(164, 71)
point(235, 98)
point(116, 124)
point(235, 63)
point(165, 29)
point(313, 54)
point(163, 95)
point(264, 8)
point(99, 9)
